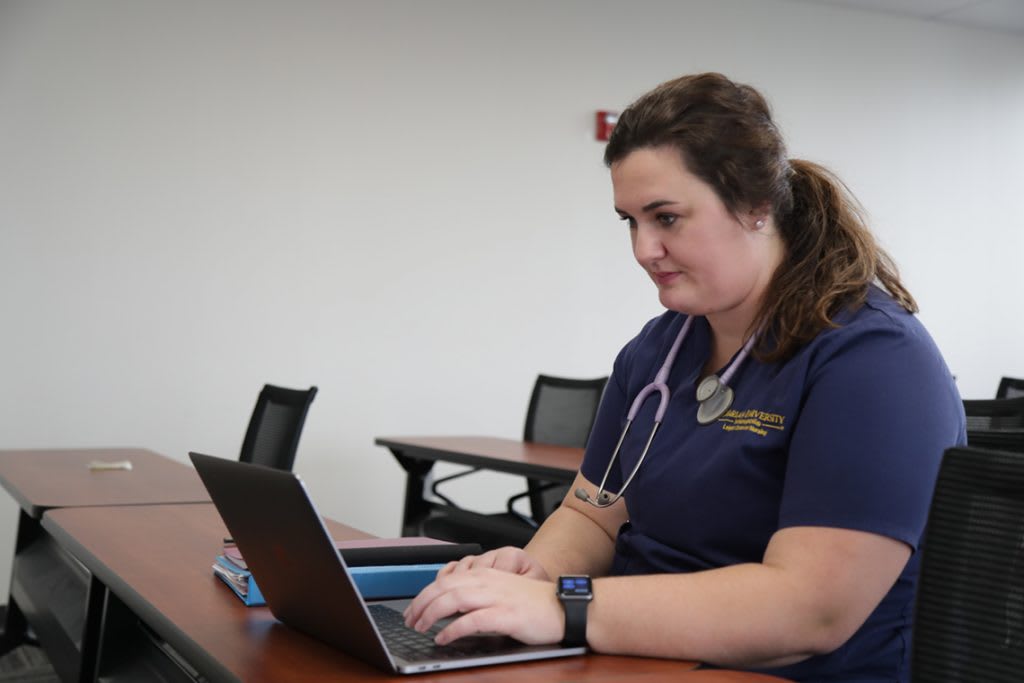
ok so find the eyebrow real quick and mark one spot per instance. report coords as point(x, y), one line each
point(657, 204)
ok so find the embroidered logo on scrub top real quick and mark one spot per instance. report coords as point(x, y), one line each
point(753, 420)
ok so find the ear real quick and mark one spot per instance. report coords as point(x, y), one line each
point(757, 218)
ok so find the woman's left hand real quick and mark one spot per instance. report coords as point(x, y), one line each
point(489, 601)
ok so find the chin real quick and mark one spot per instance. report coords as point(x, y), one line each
point(681, 305)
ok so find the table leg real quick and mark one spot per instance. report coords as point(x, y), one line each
point(92, 630)
point(416, 507)
point(15, 631)
point(15, 626)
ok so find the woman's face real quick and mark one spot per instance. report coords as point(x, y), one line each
point(703, 259)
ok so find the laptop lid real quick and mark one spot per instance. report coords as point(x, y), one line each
point(303, 577)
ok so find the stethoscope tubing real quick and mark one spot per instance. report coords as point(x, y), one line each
point(712, 389)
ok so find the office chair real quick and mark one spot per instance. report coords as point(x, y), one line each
point(1010, 387)
point(275, 426)
point(994, 413)
point(969, 622)
point(997, 439)
point(561, 412)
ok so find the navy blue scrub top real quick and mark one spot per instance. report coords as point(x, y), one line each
point(847, 433)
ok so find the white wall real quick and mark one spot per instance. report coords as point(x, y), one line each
point(402, 202)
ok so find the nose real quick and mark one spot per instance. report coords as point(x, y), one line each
point(647, 245)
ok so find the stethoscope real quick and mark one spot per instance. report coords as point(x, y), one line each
point(713, 395)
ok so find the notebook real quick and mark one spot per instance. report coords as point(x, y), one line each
point(307, 585)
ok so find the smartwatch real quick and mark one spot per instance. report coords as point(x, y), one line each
point(575, 593)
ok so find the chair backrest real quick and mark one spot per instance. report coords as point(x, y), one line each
point(561, 412)
point(969, 622)
point(275, 426)
point(997, 439)
point(1010, 387)
point(994, 413)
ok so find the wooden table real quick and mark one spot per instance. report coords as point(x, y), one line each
point(153, 610)
point(156, 560)
point(49, 588)
point(43, 479)
point(417, 455)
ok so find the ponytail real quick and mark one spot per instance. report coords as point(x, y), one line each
point(831, 261)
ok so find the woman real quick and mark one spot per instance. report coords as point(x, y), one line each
point(776, 532)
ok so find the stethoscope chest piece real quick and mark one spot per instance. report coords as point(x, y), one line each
point(714, 398)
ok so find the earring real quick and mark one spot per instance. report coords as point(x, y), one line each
point(759, 223)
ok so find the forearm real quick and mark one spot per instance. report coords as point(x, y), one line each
point(570, 543)
point(578, 538)
point(813, 590)
point(743, 615)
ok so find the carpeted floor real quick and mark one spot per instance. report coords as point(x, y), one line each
point(26, 664)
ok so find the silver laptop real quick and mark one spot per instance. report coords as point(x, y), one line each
point(306, 584)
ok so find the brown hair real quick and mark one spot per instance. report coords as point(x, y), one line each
point(726, 137)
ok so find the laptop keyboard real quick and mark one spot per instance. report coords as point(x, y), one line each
point(412, 645)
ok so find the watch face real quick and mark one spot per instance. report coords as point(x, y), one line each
point(575, 586)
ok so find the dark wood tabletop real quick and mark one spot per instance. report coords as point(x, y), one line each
point(157, 559)
point(558, 463)
point(43, 479)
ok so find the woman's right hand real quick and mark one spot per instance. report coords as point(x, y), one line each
point(508, 559)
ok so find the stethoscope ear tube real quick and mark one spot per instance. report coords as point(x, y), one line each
point(714, 397)
point(605, 499)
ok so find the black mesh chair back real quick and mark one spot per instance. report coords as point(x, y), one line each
point(561, 413)
point(994, 413)
point(562, 410)
point(969, 623)
point(997, 439)
point(1010, 387)
point(276, 425)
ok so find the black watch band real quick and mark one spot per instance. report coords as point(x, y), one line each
point(575, 594)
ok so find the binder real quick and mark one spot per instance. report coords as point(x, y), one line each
point(381, 568)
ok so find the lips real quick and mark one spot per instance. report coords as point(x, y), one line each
point(663, 278)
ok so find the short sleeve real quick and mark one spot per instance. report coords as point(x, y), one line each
point(879, 411)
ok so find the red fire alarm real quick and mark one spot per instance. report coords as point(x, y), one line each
point(606, 120)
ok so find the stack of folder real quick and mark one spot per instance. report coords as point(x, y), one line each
point(382, 568)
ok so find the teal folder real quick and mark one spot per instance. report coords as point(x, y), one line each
point(381, 568)
point(374, 582)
